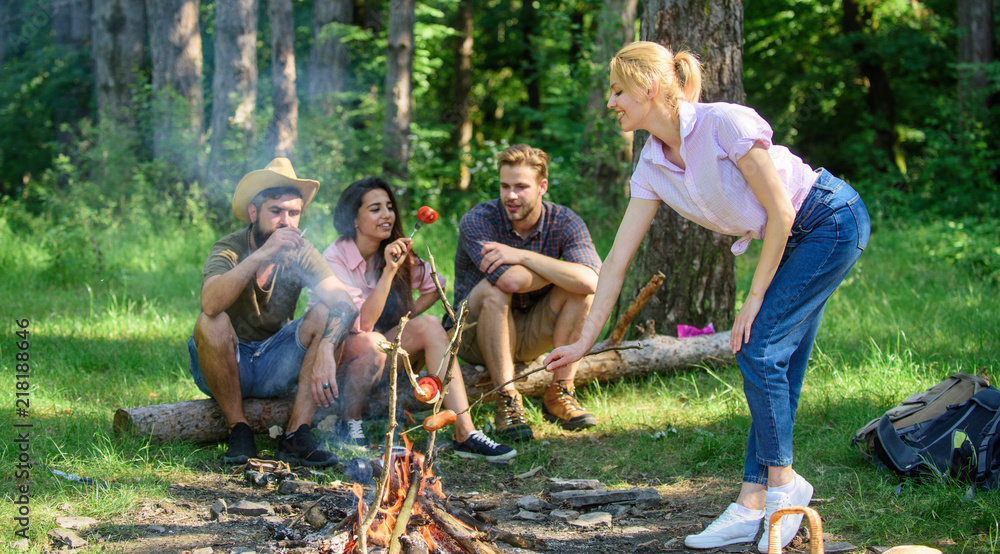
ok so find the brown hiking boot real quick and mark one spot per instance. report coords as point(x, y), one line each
point(510, 421)
point(560, 406)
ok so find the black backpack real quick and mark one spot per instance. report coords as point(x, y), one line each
point(960, 444)
point(920, 407)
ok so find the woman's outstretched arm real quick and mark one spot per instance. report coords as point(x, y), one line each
point(638, 216)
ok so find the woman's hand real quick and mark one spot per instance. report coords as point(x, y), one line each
point(395, 254)
point(565, 355)
point(740, 334)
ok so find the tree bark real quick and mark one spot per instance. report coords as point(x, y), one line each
point(880, 98)
point(530, 70)
point(234, 94)
point(118, 35)
point(329, 59)
point(178, 98)
point(282, 133)
point(463, 85)
point(202, 421)
point(398, 76)
point(701, 273)
point(608, 148)
point(975, 52)
point(71, 23)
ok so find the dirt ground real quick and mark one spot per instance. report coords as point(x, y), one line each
point(183, 524)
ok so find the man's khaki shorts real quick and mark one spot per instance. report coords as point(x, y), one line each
point(532, 333)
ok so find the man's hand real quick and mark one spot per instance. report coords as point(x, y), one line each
point(324, 377)
point(285, 238)
point(496, 254)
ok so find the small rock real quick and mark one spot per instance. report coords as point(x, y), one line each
point(593, 519)
point(673, 544)
point(618, 510)
point(945, 542)
point(545, 443)
point(315, 518)
point(76, 523)
point(529, 516)
point(22, 544)
point(203, 550)
point(67, 537)
point(218, 510)
point(294, 486)
point(248, 508)
point(564, 515)
point(533, 504)
point(560, 485)
point(242, 550)
point(156, 529)
point(838, 547)
point(275, 431)
point(501, 486)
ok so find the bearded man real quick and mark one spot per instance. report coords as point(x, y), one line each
point(245, 342)
point(529, 269)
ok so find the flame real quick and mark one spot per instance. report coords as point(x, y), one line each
point(391, 503)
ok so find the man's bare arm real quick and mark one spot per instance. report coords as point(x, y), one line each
point(531, 271)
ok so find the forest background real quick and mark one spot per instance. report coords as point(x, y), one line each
point(123, 140)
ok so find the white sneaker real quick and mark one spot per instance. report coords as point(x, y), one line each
point(774, 501)
point(728, 528)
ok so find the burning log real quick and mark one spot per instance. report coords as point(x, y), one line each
point(470, 539)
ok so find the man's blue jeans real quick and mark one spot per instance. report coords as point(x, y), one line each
point(830, 231)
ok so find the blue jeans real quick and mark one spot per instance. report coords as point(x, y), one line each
point(830, 231)
point(269, 368)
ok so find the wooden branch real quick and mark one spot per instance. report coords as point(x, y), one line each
point(455, 529)
point(362, 547)
point(437, 284)
point(625, 320)
point(452, 353)
point(403, 517)
point(497, 534)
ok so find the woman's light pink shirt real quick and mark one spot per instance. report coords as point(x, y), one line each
point(712, 191)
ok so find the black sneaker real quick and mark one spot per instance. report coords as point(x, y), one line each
point(479, 446)
point(241, 445)
point(301, 447)
point(351, 433)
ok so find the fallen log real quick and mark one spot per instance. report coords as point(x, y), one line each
point(659, 354)
point(201, 421)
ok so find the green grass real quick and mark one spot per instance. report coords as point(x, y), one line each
point(113, 335)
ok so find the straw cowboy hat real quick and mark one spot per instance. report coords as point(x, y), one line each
point(278, 173)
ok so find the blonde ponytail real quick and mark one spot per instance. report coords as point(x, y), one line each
point(638, 65)
point(689, 75)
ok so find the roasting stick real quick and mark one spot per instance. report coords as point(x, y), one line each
point(530, 372)
point(362, 547)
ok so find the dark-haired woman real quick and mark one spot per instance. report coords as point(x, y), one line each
point(372, 258)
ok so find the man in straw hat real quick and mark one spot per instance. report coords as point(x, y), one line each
point(245, 342)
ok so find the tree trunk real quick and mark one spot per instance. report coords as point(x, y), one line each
point(398, 76)
point(202, 421)
point(880, 99)
point(118, 36)
point(329, 59)
point(178, 99)
point(530, 70)
point(975, 52)
point(700, 270)
point(71, 23)
point(282, 133)
point(234, 94)
point(463, 84)
point(608, 148)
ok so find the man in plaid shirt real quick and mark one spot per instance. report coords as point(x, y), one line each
point(529, 271)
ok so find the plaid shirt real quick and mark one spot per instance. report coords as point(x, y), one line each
point(559, 234)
